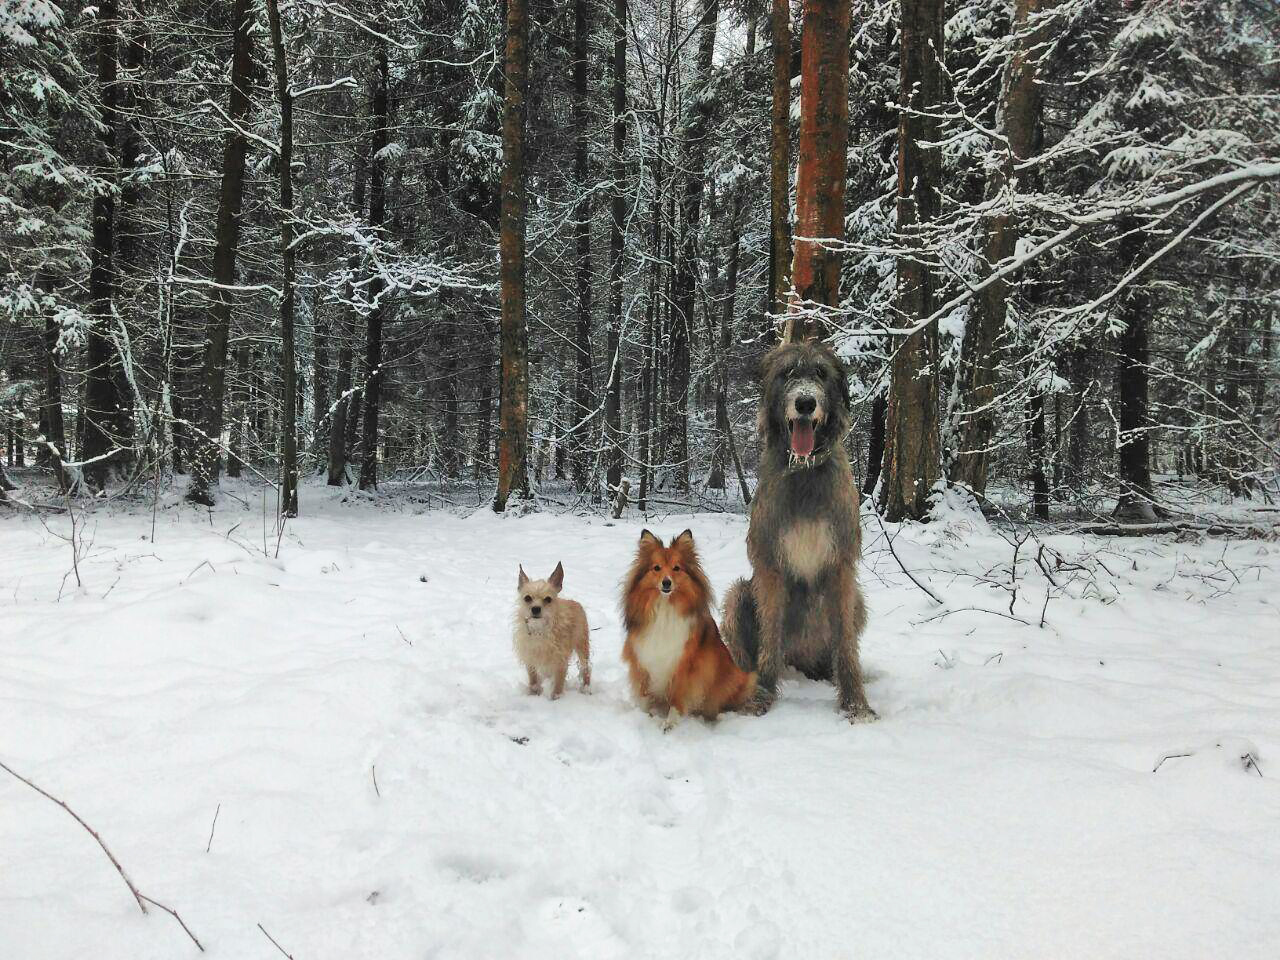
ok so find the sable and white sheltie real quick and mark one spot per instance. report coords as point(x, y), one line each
point(673, 648)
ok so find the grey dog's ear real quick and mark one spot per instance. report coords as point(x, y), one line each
point(524, 577)
point(647, 537)
point(557, 576)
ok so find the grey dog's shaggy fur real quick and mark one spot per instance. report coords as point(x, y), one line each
point(802, 605)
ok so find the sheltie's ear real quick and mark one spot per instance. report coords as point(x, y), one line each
point(524, 577)
point(557, 576)
point(647, 537)
point(684, 540)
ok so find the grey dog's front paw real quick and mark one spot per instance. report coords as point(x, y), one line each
point(759, 704)
point(860, 714)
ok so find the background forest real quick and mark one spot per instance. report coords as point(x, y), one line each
point(281, 237)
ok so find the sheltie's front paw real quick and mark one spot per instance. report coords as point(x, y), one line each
point(535, 689)
point(759, 704)
point(673, 718)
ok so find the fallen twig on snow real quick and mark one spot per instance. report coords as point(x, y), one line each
point(141, 898)
point(273, 940)
point(174, 913)
point(213, 827)
point(1168, 756)
point(911, 576)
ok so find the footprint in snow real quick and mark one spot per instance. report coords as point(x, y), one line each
point(473, 867)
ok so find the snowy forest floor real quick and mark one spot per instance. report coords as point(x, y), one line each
point(353, 714)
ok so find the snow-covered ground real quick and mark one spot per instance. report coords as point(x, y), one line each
point(384, 788)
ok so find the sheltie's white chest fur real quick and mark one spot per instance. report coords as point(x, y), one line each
point(659, 647)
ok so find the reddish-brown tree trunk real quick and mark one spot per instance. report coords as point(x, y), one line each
point(513, 407)
point(780, 163)
point(820, 167)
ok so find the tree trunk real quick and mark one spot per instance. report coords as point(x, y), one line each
point(684, 280)
point(452, 454)
point(206, 453)
point(377, 216)
point(875, 443)
point(820, 167)
point(911, 432)
point(724, 439)
point(618, 213)
point(102, 399)
point(51, 417)
point(1020, 113)
point(339, 447)
point(513, 402)
point(238, 449)
point(1137, 494)
point(484, 404)
point(1036, 454)
point(289, 415)
point(780, 165)
point(583, 387)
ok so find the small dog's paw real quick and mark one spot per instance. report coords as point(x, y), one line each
point(535, 689)
point(860, 714)
point(673, 718)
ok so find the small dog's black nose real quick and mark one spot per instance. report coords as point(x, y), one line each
point(536, 611)
point(806, 405)
point(666, 584)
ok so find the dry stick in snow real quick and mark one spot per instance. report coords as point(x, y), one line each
point(174, 913)
point(213, 827)
point(373, 770)
point(141, 899)
point(273, 940)
point(889, 540)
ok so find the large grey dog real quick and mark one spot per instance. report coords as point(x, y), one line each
point(802, 605)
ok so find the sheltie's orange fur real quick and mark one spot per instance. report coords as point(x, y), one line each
point(676, 634)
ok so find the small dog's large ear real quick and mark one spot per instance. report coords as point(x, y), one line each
point(524, 577)
point(647, 537)
point(684, 540)
point(557, 576)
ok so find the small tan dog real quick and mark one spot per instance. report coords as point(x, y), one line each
point(548, 631)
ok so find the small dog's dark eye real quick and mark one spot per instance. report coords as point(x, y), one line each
point(657, 566)
point(546, 599)
point(528, 599)
point(676, 568)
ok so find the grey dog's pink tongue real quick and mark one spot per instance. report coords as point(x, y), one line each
point(802, 438)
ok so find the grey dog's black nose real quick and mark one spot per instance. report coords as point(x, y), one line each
point(806, 405)
point(536, 611)
point(666, 584)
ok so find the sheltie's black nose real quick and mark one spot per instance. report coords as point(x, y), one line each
point(806, 405)
point(666, 585)
point(536, 611)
